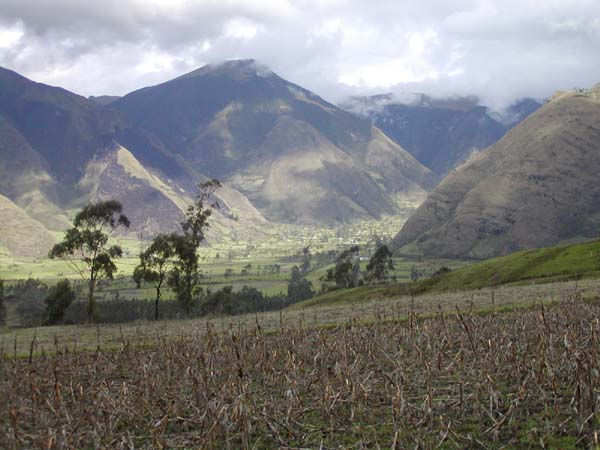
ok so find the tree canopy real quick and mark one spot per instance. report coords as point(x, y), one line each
point(379, 264)
point(156, 263)
point(184, 277)
point(85, 246)
point(57, 301)
point(299, 288)
point(346, 272)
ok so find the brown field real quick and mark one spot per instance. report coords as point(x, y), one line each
point(527, 378)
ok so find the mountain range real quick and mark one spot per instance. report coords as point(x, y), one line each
point(440, 133)
point(538, 186)
point(285, 155)
point(282, 153)
point(296, 157)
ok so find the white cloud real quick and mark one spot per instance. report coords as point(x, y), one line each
point(11, 36)
point(496, 49)
point(240, 29)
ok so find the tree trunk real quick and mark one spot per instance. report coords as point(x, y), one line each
point(91, 306)
point(157, 300)
point(188, 300)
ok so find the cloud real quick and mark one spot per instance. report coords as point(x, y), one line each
point(498, 50)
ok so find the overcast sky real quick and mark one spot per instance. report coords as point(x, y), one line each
point(499, 50)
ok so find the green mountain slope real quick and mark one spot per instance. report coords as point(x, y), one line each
point(561, 262)
point(537, 265)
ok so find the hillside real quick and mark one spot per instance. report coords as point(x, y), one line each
point(155, 205)
point(536, 187)
point(296, 157)
point(544, 265)
point(280, 151)
point(20, 234)
point(59, 150)
point(440, 133)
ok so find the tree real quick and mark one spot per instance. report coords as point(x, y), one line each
point(57, 301)
point(85, 246)
point(414, 274)
point(184, 278)
point(379, 264)
point(156, 263)
point(306, 259)
point(2, 307)
point(299, 288)
point(347, 269)
point(29, 297)
point(220, 302)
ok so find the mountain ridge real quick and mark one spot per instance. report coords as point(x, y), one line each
point(441, 133)
point(535, 188)
point(221, 120)
point(266, 139)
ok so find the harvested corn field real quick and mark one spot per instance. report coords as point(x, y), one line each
point(525, 379)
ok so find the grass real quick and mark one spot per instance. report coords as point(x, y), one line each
point(572, 261)
point(393, 375)
point(19, 341)
point(538, 265)
point(213, 269)
point(354, 295)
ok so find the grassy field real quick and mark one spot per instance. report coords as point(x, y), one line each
point(20, 341)
point(554, 262)
point(529, 266)
point(281, 246)
point(394, 373)
point(280, 241)
point(259, 274)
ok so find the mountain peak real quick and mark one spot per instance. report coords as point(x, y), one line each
point(233, 67)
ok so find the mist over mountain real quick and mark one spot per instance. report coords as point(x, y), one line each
point(536, 187)
point(441, 133)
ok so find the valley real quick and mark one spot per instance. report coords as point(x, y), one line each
point(264, 264)
point(226, 259)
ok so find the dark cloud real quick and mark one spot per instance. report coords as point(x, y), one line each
point(498, 50)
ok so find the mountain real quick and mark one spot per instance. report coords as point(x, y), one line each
point(538, 186)
point(440, 133)
point(155, 205)
point(280, 150)
point(104, 100)
point(296, 157)
point(59, 150)
point(20, 234)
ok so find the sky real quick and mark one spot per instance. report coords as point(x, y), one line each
point(498, 50)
